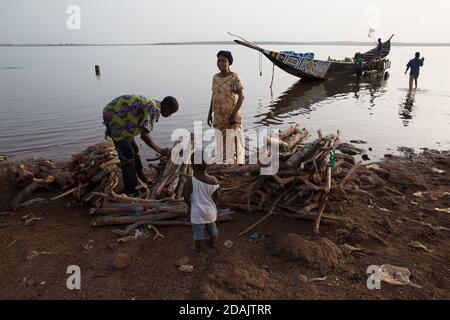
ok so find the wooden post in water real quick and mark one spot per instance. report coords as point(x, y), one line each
point(97, 70)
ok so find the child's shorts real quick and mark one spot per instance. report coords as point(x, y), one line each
point(199, 230)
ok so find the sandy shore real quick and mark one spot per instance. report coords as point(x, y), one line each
point(388, 226)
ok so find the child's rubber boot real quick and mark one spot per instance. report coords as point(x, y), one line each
point(213, 242)
point(199, 246)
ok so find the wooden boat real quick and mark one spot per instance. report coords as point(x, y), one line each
point(306, 68)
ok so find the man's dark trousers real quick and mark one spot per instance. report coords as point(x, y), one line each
point(130, 163)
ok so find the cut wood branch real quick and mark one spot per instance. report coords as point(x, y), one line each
point(350, 174)
point(265, 217)
point(19, 176)
point(319, 216)
point(69, 192)
point(288, 132)
point(28, 190)
point(109, 221)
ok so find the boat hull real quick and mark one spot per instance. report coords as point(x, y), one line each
point(312, 69)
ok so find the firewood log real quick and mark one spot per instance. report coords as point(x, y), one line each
point(275, 141)
point(234, 170)
point(319, 216)
point(294, 140)
point(150, 203)
point(129, 230)
point(110, 210)
point(106, 221)
point(161, 186)
point(28, 190)
point(19, 176)
point(181, 184)
point(61, 177)
point(312, 215)
point(104, 173)
point(171, 178)
point(110, 163)
point(162, 180)
point(288, 132)
point(174, 186)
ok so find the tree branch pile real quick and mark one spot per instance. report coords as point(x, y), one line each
point(96, 169)
point(308, 176)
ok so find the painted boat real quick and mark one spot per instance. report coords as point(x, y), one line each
point(306, 68)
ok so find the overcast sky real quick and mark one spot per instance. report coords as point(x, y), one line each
point(138, 21)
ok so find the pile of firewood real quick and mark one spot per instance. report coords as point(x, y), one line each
point(171, 180)
point(142, 213)
point(32, 175)
point(165, 205)
point(289, 141)
point(161, 203)
point(310, 173)
point(302, 185)
point(96, 169)
point(122, 209)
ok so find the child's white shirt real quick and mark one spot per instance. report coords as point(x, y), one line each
point(203, 208)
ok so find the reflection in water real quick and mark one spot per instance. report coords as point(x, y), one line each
point(356, 87)
point(406, 111)
point(376, 89)
point(298, 99)
point(301, 96)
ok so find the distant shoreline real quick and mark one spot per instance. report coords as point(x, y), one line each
point(316, 43)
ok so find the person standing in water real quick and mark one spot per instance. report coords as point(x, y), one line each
point(415, 65)
point(226, 101)
point(380, 49)
point(359, 61)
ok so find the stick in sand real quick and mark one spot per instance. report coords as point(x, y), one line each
point(265, 217)
point(70, 191)
point(319, 216)
point(9, 245)
point(350, 174)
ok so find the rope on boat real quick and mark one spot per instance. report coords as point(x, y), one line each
point(253, 44)
point(273, 74)
point(245, 40)
point(260, 64)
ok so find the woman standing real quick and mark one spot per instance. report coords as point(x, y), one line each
point(226, 100)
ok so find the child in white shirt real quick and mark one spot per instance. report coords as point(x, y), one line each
point(201, 193)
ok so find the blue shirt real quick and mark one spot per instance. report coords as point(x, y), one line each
point(415, 65)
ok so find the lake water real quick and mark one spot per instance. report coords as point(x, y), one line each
point(51, 101)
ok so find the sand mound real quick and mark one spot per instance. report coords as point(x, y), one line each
point(228, 280)
point(321, 254)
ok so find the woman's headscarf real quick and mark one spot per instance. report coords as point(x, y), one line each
point(226, 54)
